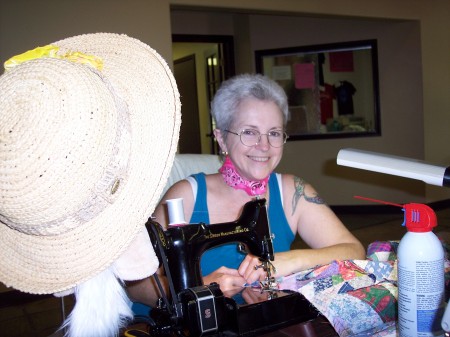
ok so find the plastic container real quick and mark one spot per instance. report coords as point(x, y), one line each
point(421, 289)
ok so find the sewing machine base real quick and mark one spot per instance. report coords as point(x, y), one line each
point(283, 309)
point(207, 312)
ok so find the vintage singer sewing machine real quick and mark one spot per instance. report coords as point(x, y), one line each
point(194, 309)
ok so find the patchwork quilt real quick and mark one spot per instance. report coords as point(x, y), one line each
point(358, 297)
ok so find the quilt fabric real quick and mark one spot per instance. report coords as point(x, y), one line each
point(358, 297)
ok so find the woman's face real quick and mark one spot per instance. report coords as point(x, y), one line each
point(258, 161)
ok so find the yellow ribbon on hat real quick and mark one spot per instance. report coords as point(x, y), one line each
point(52, 51)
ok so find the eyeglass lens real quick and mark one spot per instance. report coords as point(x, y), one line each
point(250, 137)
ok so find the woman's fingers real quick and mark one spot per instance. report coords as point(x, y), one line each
point(250, 269)
point(227, 271)
point(227, 278)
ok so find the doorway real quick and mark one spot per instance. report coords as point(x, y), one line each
point(202, 63)
point(185, 74)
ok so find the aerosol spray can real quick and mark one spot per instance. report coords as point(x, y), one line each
point(421, 290)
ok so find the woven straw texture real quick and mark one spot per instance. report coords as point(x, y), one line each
point(84, 157)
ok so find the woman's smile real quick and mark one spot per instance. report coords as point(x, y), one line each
point(259, 159)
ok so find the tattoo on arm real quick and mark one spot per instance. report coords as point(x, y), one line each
point(300, 191)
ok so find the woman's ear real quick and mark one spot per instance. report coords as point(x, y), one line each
point(220, 139)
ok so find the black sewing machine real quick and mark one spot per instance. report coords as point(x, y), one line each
point(194, 309)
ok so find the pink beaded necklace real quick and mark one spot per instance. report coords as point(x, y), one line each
point(233, 179)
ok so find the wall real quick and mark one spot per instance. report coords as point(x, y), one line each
point(400, 102)
point(415, 75)
point(314, 160)
point(26, 24)
point(413, 103)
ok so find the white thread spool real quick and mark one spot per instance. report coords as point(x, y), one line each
point(176, 212)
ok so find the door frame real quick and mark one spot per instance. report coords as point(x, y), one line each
point(226, 43)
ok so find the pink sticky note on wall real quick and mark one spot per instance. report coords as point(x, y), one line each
point(304, 75)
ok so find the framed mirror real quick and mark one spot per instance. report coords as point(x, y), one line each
point(332, 89)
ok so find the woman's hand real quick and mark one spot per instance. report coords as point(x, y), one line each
point(227, 279)
point(248, 269)
point(254, 295)
point(250, 295)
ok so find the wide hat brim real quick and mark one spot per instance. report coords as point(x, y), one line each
point(41, 264)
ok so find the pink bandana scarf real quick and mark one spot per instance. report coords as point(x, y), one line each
point(233, 179)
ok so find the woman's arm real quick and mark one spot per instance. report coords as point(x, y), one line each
point(146, 290)
point(319, 226)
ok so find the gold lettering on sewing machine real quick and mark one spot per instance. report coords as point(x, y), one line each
point(162, 238)
point(233, 232)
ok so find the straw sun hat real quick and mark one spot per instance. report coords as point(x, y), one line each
point(88, 135)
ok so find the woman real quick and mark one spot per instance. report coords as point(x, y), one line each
point(250, 113)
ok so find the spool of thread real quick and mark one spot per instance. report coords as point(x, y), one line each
point(176, 212)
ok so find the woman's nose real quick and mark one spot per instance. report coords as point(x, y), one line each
point(263, 142)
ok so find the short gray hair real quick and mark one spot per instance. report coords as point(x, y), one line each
point(238, 88)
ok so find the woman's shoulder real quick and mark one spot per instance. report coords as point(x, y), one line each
point(207, 176)
point(292, 183)
point(214, 182)
point(181, 187)
point(213, 177)
point(290, 178)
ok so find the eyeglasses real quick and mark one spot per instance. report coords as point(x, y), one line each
point(252, 137)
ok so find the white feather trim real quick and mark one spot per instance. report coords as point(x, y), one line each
point(101, 307)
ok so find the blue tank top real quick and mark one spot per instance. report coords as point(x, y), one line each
point(228, 255)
